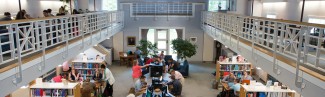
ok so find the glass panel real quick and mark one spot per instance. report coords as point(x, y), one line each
point(162, 45)
point(162, 34)
point(172, 36)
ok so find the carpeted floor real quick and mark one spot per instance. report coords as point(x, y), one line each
point(198, 84)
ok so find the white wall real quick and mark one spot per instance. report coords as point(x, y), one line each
point(118, 44)
point(208, 48)
point(33, 7)
point(191, 25)
point(291, 9)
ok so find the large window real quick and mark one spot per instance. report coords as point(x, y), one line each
point(109, 5)
point(215, 4)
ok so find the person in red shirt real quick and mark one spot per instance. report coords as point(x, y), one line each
point(137, 70)
point(151, 60)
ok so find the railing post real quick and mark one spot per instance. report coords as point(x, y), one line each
point(18, 75)
point(274, 46)
point(299, 80)
point(44, 44)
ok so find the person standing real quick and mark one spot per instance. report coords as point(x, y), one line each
point(136, 70)
point(109, 79)
point(178, 76)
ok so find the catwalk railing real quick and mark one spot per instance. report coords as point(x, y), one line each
point(301, 42)
point(162, 9)
point(23, 38)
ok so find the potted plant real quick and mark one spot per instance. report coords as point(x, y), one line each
point(147, 48)
point(183, 48)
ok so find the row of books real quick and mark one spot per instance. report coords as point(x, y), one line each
point(50, 92)
point(256, 94)
point(89, 65)
point(235, 67)
point(87, 72)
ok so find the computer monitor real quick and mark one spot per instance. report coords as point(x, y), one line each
point(156, 70)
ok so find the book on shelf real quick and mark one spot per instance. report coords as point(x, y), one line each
point(50, 92)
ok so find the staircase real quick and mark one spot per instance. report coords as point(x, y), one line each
point(30, 48)
point(106, 51)
point(284, 49)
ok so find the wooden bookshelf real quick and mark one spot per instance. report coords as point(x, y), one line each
point(232, 67)
point(87, 68)
point(260, 88)
point(72, 89)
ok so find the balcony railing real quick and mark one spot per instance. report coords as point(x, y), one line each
point(301, 42)
point(162, 9)
point(23, 38)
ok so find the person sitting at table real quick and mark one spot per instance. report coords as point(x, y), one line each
point(178, 76)
point(97, 76)
point(246, 77)
point(236, 87)
point(87, 88)
point(172, 64)
point(74, 75)
point(137, 51)
point(229, 78)
point(176, 86)
point(131, 93)
point(139, 84)
point(151, 60)
point(58, 79)
point(137, 70)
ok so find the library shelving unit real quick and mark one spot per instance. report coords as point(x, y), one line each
point(254, 90)
point(87, 68)
point(235, 67)
point(55, 90)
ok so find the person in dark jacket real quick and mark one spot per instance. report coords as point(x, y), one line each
point(7, 17)
point(97, 76)
point(176, 86)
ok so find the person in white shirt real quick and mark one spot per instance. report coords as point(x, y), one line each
point(178, 76)
point(109, 78)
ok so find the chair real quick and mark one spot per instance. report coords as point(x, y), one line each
point(123, 59)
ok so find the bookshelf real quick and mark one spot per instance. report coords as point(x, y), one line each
point(55, 90)
point(273, 91)
point(235, 67)
point(87, 68)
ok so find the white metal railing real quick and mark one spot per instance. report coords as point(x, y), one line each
point(303, 42)
point(26, 37)
point(162, 9)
